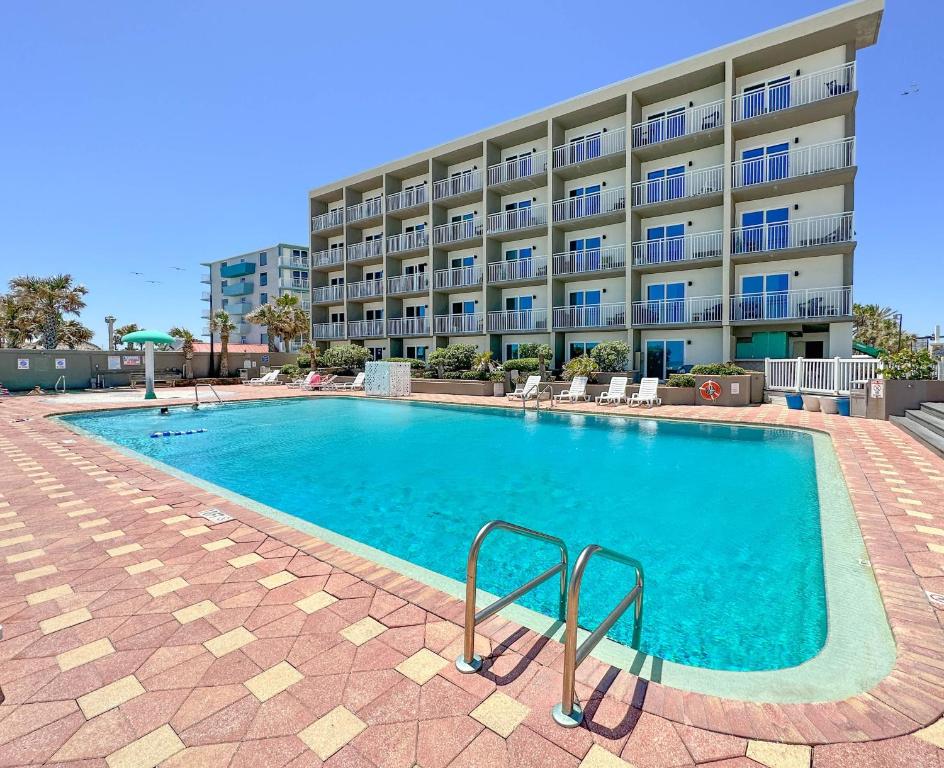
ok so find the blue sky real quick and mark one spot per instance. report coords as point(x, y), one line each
point(141, 137)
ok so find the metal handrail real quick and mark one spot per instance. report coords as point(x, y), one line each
point(568, 713)
point(196, 394)
point(542, 387)
point(62, 380)
point(469, 662)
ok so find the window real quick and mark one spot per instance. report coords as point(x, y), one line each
point(263, 298)
point(584, 308)
point(413, 269)
point(511, 351)
point(463, 307)
point(337, 280)
point(755, 170)
point(376, 274)
point(518, 166)
point(583, 201)
point(337, 317)
point(582, 148)
point(765, 230)
point(579, 348)
point(519, 303)
point(264, 338)
point(416, 353)
point(764, 297)
point(517, 214)
point(225, 302)
point(458, 262)
point(242, 340)
point(665, 243)
point(376, 353)
point(373, 314)
point(665, 125)
point(664, 358)
point(771, 96)
point(585, 254)
point(263, 278)
point(263, 259)
point(665, 184)
point(415, 311)
point(665, 303)
point(224, 283)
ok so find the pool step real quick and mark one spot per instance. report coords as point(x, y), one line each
point(925, 424)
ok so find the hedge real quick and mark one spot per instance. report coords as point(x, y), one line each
point(523, 364)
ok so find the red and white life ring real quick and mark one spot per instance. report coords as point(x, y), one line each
point(710, 390)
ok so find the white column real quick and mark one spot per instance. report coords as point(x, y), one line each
point(149, 370)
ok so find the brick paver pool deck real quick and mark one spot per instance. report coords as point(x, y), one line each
point(135, 634)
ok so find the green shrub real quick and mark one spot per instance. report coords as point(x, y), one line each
point(415, 365)
point(465, 375)
point(681, 380)
point(303, 361)
point(718, 369)
point(611, 356)
point(455, 357)
point(536, 351)
point(497, 376)
point(290, 370)
point(522, 364)
point(346, 357)
point(580, 366)
point(908, 364)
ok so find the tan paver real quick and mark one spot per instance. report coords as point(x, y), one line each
point(84, 654)
point(277, 579)
point(229, 641)
point(195, 531)
point(93, 523)
point(147, 565)
point(273, 681)
point(328, 734)
point(110, 696)
point(775, 755)
point(422, 666)
point(175, 519)
point(315, 602)
point(28, 555)
point(15, 526)
point(158, 508)
point(52, 593)
point(212, 546)
point(64, 621)
point(500, 713)
point(108, 535)
point(148, 751)
point(933, 734)
point(195, 611)
point(166, 587)
point(245, 560)
point(361, 631)
point(35, 573)
point(12, 542)
point(81, 512)
point(124, 549)
point(598, 757)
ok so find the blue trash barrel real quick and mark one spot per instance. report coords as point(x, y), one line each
point(842, 403)
point(795, 402)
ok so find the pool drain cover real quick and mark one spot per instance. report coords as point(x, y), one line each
point(215, 515)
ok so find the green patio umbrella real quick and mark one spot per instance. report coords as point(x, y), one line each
point(148, 339)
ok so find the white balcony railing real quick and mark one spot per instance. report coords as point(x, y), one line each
point(299, 284)
point(329, 330)
point(454, 324)
point(368, 249)
point(418, 281)
point(590, 260)
point(408, 241)
point(204, 295)
point(803, 304)
point(704, 181)
point(292, 261)
point(328, 293)
point(803, 161)
point(365, 289)
point(328, 220)
point(328, 258)
point(704, 117)
point(457, 185)
point(522, 167)
point(827, 376)
point(457, 277)
point(407, 198)
point(408, 326)
point(517, 269)
point(517, 320)
point(362, 329)
point(667, 250)
point(798, 233)
point(691, 311)
point(367, 209)
point(205, 277)
point(306, 305)
point(590, 148)
point(794, 92)
point(595, 204)
point(520, 218)
point(593, 316)
point(457, 231)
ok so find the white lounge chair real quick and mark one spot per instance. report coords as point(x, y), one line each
point(272, 377)
point(299, 383)
point(320, 383)
point(616, 393)
point(358, 383)
point(648, 389)
point(527, 390)
point(576, 391)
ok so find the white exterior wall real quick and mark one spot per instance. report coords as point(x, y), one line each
point(614, 234)
point(699, 158)
point(538, 291)
point(816, 202)
point(613, 180)
point(821, 272)
point(702, 220)
point(615, 288)
point(807, 65)
point(698, 98)
point(609, 123)
point(704, 282)
point(705, 347)
point(534, 146)
point(833, 129)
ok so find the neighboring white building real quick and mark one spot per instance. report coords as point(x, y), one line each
point(701, 212)
point(242, 283)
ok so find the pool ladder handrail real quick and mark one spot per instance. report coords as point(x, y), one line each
point(468, 662)
point(568, 713)
point(62, 380)
point(196, 393)
point(541, 388)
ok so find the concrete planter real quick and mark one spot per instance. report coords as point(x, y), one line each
point(828, 405)
point(670, 395)
point(605, 378)
point(811, 403)
point(498, 388)
point(898, 396)
point(453, 387)
point(735, 390)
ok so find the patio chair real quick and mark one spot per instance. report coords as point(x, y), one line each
point(576, 391)
point(272, 377)
point(648, 389)
point(301, 382)
point(320, 383)
point(527, 390)
point(616, 393)
point(358, 383)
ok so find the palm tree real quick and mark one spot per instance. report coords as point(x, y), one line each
point(220, 323)
point(269, 316)
point(14, 322)
point(124, 330)
point(73, 334)
point(46, 300)
point(188, 338)
point(285, 319)
point(877, 326)
point(309, 349)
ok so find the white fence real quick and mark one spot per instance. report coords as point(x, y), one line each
point(830, 376)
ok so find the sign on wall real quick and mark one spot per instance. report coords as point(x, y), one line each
point(878, 389)
point(131, 359)
point(22, 364)
point(265, 358)
point(60, 363)
point(114, 363)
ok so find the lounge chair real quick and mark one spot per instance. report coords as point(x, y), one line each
point(527, 390)
point(616, 392)
point(576, 391)
point(646, 394)
point(272, 377)
point(358, 383)
point(320, 383)
point(299, 383)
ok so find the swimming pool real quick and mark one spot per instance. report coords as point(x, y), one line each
point(726, 520)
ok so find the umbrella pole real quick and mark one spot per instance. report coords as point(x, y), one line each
point(149, 371)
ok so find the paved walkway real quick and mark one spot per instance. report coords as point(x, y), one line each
point(136, 635)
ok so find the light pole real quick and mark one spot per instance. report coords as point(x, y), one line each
point(111, 332)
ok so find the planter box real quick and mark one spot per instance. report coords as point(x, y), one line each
point(670, 395)
point(735, 390)
point(899, 396)
point(452, 387)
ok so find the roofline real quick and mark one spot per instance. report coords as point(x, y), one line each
point(257, 250)
point(848, 13)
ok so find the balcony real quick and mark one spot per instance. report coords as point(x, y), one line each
point(328, 294)
point(698, 310)
point(324, 222)
point(508, 224)
point(408, 326)
point(518, 270)
point(306, 305)
point(813, 236)
point(329, 330)
point(297, 284)
point(418, 282)
point(205, 314)
point(806, 304)
point(464, 186)
point(682, 131)
point(365, 329)
point(238, 289)
point(365, 289)
point(457, 277)
point(525, 172)
point(796, 100)
point(454, 325)
point(332, 257)
point(204, 296)
point(408, 201)
point(677, 192)
point(239, 308)
point(679, 252)
point(599, 152)
point(451, 234)
point(291, 261)
point(363, 211)
point(205, 277)
point(604, 207)
point(831, 163)
point(609, 259)
point(237, 270)
point(592, 316)
point(518, 321)
point(369, 249)
point(295, 346)
point(408, 241)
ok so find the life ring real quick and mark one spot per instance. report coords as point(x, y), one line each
point(710, 390)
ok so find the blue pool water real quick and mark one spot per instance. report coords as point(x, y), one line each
point(724, 519)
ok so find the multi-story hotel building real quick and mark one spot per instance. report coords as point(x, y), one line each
point(702, 212)
point(242, 283)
